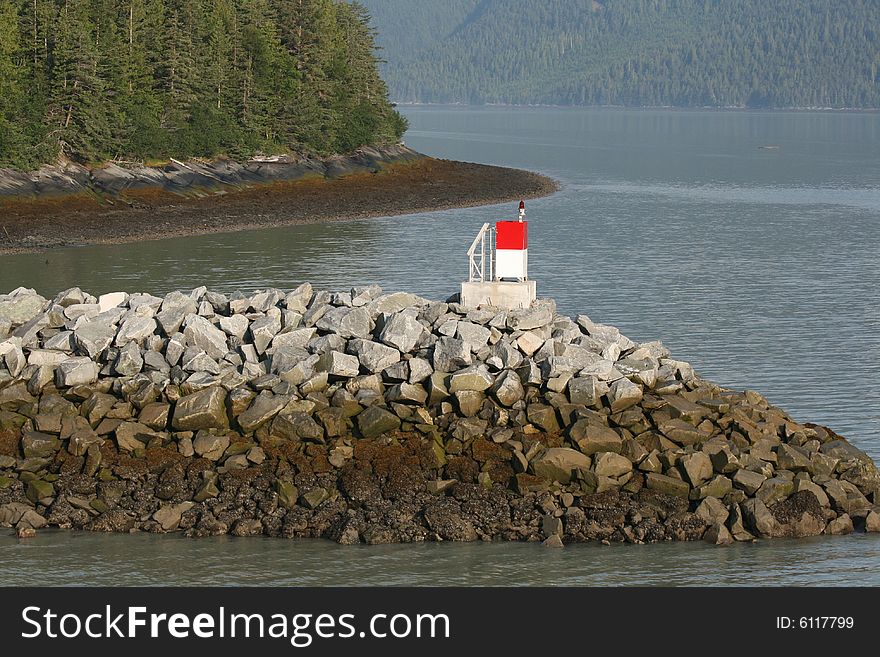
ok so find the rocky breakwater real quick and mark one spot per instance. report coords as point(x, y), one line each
point(362, 416)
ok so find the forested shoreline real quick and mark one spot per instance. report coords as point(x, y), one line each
point(142, 80)
point(634, 53)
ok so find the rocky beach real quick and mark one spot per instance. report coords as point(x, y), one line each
point(370, 417)
point(70, 204)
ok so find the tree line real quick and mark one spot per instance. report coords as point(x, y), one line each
point(683, 53)
point(94, 80)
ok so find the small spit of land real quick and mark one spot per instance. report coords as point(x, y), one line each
point(68, 205)
point(362, 416)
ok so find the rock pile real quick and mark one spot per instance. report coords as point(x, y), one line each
point(362, 416)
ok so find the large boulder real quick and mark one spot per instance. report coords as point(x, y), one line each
point(20, 308)
point(135, 329)
point(450, 355)
point(347, 322)
point(508, 389)
point(373, 356)
point(623, 394)
point(205, 409)
point(91, 338)
point(609, 464)
point(591, 437)
point(540, 314)
point(338, 364)
point(375, 421)
point(402, 331)
point(202, 334)
point(263, 330)
point(696, 468)
point(475, 377)
point(265, 407)
point(560, 464)
point(76, 371)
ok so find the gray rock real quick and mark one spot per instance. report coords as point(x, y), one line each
point(76, 371)
point(759, 519)
point(361, 295)
point(133, 435)
point(175, 348)
point(748, 481)
point(129, 361)
point(560, 464)
point(816, 490)
point(12, 355)
point(584, 391)
point(18, 309)
point(450, 355)
point(623, 394)
point(713, 511)
point(609, 464)
point(591, 438)
point(168, 516)
point(668, 485)
point(373, 356)
point(338, 364)
point(236, 326)
point(375, 421)
point(205, 409)
point(263, 330)
point(36, 444)
point(474, 335)
point(210, 446)
point(175, 308)
point(407, 393)
point(696, 468)
point(196, 360)
point(347, 322)
point(299, 299)
point(46, 357)
point(394, 303)
point(718, 534)
point(419, 370)
point(544, 417)
point(297, 426)
point(265, 407)
point(840, 526)
point(475, 377)
point(93, 337)
point(199, 332)
point(775, 490)
point(284, 359)
point(508, 389)
point(402, 331)
point(540, 314)
point(135, 329)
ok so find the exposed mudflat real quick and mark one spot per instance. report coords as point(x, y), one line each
point(81, 214)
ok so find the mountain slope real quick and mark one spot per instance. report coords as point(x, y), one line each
point(749, 53)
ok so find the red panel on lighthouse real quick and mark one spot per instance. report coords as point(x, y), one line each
point(512, 235)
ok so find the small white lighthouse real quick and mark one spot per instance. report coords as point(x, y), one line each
point(504, 250)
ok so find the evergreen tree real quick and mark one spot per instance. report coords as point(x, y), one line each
point(143, 79)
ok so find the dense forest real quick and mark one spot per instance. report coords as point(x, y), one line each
point(94, 80)
point(684, 53)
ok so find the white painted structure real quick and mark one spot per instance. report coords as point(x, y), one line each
point(503, 250)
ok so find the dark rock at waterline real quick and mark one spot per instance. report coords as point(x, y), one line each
point(312, 414)
point(193, 176)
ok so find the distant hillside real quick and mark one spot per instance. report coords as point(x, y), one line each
point(685, 53)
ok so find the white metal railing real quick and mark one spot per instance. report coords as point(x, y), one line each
point(477, 260)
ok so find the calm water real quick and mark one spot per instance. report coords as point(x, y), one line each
point(758, 265)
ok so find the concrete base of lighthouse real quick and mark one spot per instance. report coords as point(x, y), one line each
point(499, 294)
